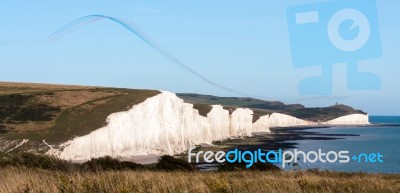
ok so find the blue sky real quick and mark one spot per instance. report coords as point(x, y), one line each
point(239, 44)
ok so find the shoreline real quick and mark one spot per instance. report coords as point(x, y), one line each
point(279, 138)
point(298, 132)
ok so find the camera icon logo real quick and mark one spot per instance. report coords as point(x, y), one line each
point(322, 34)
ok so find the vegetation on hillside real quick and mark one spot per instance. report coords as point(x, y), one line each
point(58, 113)
point(165, 163)
point(203, 109)
point(28, 172)
point(15, 179)
point(262, 107)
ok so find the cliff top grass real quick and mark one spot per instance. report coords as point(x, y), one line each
point(58, 113)
point(203, 109)
point(262, 107)
point(19, 87)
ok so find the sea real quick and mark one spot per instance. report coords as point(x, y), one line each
point(381, 138)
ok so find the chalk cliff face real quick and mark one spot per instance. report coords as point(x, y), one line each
point(164, 124)
point(354, 119)
point(262, 124)
point(282, 120)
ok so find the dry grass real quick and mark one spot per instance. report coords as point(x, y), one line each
point(68, 99)
point(14, 179)
point(15, 87)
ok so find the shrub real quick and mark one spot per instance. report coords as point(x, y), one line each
point(36, 161)
point(108, 163)
point(3, 129)
point(31, 160)
point(169, 163)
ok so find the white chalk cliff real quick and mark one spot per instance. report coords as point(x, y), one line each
point(354, 119)
point(165, 124)
point(282, 120)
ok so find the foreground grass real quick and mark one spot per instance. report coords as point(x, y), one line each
point(21, 179)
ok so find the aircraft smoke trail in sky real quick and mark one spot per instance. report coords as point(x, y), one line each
point(80, 22)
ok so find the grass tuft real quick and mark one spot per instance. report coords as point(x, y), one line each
point(169, 163)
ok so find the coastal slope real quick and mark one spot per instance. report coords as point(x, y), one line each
point(165, 124)
point(83, 122)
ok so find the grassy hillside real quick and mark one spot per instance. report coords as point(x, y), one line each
point(261, 107)
point(57, 113)
point(15, 179)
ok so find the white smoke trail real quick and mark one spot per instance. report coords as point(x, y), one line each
point(80, 22)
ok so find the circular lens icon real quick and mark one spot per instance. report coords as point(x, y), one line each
point(359, 22)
